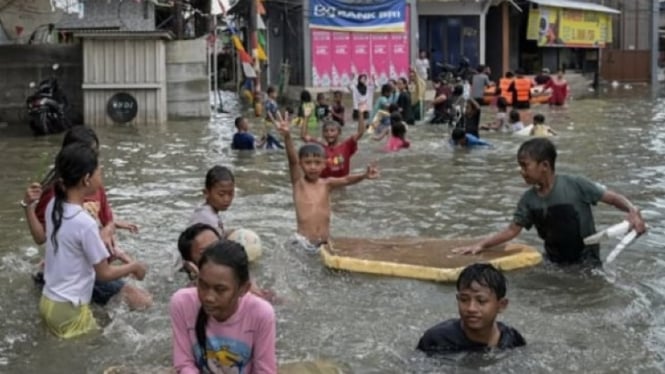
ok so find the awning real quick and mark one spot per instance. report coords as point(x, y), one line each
point(569, 4)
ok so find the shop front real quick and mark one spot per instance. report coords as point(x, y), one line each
point(348, 39)
point(452, 31)
point(565, 35)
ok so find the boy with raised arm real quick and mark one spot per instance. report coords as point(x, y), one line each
point(311, 192)
point(559, 205)
point(337, 153)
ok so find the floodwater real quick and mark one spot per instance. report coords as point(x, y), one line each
point(605, 322)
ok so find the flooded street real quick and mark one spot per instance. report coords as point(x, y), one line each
point(609, 322)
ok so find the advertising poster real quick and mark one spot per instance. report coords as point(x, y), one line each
point(380, 44)
point(377, 16)
point(360, 57)
point(321, 58)
point(341, 59)
point(557, 27)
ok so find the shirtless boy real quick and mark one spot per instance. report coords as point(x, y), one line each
point(311, 193)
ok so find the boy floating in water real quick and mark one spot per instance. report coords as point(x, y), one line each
point(481, 296)
point(540, 128)
point(559, 206)
point(462, 139)
point(311, 192)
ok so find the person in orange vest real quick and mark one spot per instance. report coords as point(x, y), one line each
point(504, 85)
point(521, 89)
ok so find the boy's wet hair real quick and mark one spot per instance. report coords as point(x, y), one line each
point(238, 121)
point(330, 123)
point(305, 96)
point(510, 75)
point(539, 119)
point(337, 93)
point(485, 275)
point(271, 89)
point(386, 89)
point(458, 134)
point(539, 150)
point(502, 103)
point(311, 149)
point(187, 237)
point(398, 129)
point(396, 117)
point(218, 174)
point(514, 116)
point(320, 96)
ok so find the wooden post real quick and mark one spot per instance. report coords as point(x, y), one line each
point(179, 20)
point(253, 45)
point(505, 44)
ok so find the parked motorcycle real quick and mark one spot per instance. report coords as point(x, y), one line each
point(452, 73)
point(47, 106)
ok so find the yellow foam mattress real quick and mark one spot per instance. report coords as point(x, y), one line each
point(420, 258)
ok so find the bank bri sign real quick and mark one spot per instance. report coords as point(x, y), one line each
point(338, 15)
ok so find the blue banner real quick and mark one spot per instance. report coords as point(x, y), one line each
point(381, 16)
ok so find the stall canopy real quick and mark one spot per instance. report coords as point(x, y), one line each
point(568, 4)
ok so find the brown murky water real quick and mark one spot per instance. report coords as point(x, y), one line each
point(609, 322)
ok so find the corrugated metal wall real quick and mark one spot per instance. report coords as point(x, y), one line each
point(134, 66)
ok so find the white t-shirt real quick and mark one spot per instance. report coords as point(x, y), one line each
point(422, 67)
point(69, 274)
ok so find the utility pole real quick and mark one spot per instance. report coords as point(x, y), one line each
point(655, 39)
point(253, 45)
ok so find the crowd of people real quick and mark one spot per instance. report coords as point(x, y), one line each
point(221, 319)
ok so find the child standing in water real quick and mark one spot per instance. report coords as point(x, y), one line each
point(219, 192)
point(219, 326)
point(322, 108)
point(559, 205)
point(243, 139)
point(515, 121)
point(271, 117)
point(39, 195)
point(307, 111)
point(363, 96)
point(311, 192)
point(501, 118)
point(338, 154)
point(75, 253)
point(337, 110)
point(481, 296)
point(397, 131)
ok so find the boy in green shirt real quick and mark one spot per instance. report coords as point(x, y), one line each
point(559, 205)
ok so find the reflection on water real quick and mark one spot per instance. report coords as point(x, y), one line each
point(592, 323)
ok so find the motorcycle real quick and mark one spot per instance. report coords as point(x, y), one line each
point(451, 73)
point(46, 107)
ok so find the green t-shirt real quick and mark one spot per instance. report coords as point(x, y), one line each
point(563, 218)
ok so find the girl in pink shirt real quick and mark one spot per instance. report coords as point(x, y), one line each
point(397, 139)
point(218, 327)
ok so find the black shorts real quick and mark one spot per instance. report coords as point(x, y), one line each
point(357, 117)
point(522, 105)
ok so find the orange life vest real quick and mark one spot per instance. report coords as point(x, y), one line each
point(504, 85)
point(523, 89)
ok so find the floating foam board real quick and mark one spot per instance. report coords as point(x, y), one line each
point(420, 258)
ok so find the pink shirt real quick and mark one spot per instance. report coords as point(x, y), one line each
point(243, 344)
point(395, 144)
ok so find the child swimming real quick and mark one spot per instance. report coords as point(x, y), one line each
point(397, 130)
point(338, 154)
point(311, 191)
point(515, 121)
point(218, 192)
point(559, 206)
point(540, 128)
point(219, 325)
point(337, 109)
point(75, 252)
point(460, 138)
point(481, 296)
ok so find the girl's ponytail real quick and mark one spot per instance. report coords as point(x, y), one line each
point(56, 215)
point(200, 329)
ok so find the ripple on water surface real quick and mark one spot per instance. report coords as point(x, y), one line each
point(601, 322)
